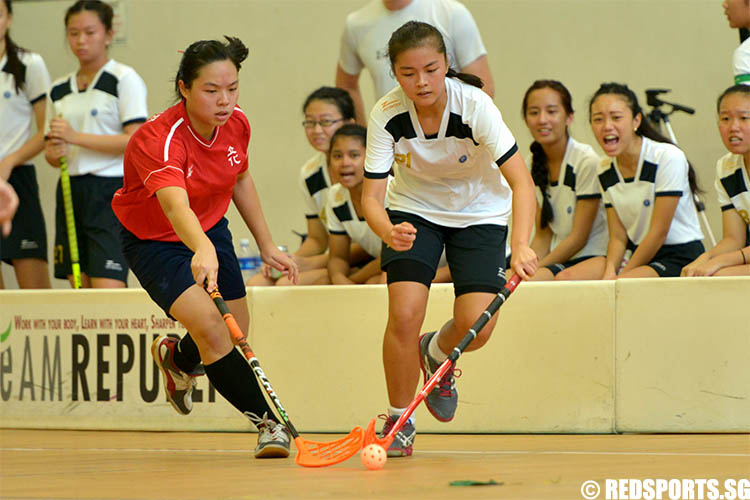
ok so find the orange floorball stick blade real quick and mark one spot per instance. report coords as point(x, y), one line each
point(316, 454)
point(371, 437)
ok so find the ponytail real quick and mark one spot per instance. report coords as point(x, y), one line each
point(204, 52)
point(466, 78)
point(540, 174)
point(14, 66)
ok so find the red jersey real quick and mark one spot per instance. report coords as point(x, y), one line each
point(166, 151)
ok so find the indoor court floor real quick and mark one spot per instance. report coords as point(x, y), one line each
point(150, 465)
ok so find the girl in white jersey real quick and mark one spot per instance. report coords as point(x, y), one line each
point(731, 256)
point(647, 187)
point(570, 220)
point(93, 111)
point(456, 162)
point(326, 110)
point(24, 82)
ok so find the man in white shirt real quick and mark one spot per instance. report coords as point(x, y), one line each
point(738, 15)
point(364, 43)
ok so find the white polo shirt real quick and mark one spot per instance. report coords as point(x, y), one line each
point(341, 218)
point(16, 107)
point(364, 43)
point(732, 185)
point(578, 181)
point(453, 179)
point(314, 183)
point(741, 63)
point(662, 171)
point(115, 98)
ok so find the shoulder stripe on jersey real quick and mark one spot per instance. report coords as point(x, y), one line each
point(648, 172)
point(570, 177)
point(499, 162)
point(134, 120)
point(237, 108)
point(668, 193)
point(608, 178)
point(457, 128)
point(400, 126)
point(724, 208)
point(734, 183)
point(376, 175)
point(107, 83)
point(59, 91)
point(341, 233)
point(169, 138)
point(588, 196)
point(159, 170)
point(316, 182)
point(343, 212)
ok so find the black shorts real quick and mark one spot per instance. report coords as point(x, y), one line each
point(163, 267)
point(28, 236)
point(475, 254)
point(97, 229)
point(556, 268)
point(670, 259)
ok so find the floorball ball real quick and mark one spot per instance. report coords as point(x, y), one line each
point(374, 456)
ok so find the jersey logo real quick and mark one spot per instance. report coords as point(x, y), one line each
point(462, 159)
point(94, 112)
point(190, 172)
point(233, 157)
point(403, 160)
point(646, 203)
point(389, 104)
point(157, 115)
point(570, 210)
point(7, 94)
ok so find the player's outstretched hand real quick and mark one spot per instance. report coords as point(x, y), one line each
point(402, 236)
point(281, 261)
point(8, 206)
point(205, 266)
point(524, 262)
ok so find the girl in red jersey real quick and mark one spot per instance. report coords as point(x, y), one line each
point(182, 168)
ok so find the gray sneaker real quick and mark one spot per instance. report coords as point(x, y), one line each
point(403, 441)
point(443, 399)
point(273, 437)
point(177, 384)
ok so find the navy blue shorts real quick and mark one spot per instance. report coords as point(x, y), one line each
point(670, 259)
point(28, 236)
point(163, 267)
point(99, 252)
point(556, 268)
point(475, 254)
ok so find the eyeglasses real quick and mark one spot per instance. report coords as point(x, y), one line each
point(325, 123)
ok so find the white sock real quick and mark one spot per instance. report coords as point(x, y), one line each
point(433, 349)
point(397, 412)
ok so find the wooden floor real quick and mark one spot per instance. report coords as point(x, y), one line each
point(87, 464)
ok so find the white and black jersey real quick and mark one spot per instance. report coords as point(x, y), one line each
point(662, 171)
point(452, 179)
point(16, 107)
point(115, 98)
point(341, 218)
point(732, 186)
point(578, 181)
point(314, 182)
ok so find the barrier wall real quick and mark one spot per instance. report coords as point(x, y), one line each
point(588, 357)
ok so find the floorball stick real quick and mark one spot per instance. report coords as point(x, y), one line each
point(309, 453)
point(70, 221)
point(371, 436)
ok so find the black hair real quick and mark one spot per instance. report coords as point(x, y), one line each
point(417, 34)
point(351, 130)
point(539, 170)
point(103, 10)
point(646, 128)
point(204, 52)
point(14, 66)
point(336, 96)
point(734, 89)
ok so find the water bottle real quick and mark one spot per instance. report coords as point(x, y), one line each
point(247, 262)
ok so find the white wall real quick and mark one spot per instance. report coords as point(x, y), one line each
point(683, 45)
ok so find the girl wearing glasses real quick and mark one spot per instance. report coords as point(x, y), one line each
point(326, 110)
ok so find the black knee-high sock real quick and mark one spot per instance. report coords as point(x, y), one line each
point(187, 356)
point(234, 379)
